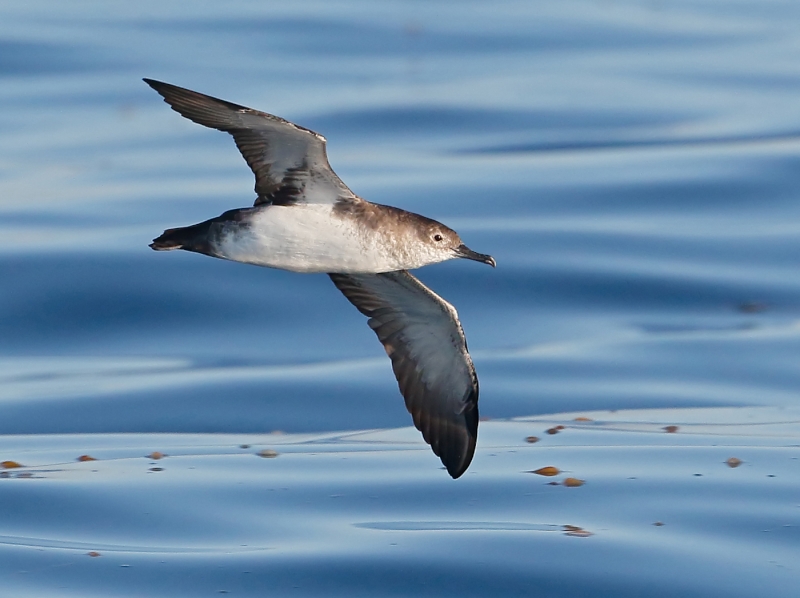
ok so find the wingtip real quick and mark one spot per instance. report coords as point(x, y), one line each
point(455, 474)
point(457, 467)
point(157, 85)
point(458, 461)
point(454, 445)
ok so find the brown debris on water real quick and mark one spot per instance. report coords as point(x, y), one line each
point(93, 553)
point(576, 532)
point(554, 429)
point(84, 458)
point(733, 462)
point(573, 482)
point(10, 465)
point(583, 419)
point(532, 439)
point(548, 471)
point(670, 429)
point(267, 453)
point(156, 455)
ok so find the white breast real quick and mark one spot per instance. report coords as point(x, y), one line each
point(306, 238)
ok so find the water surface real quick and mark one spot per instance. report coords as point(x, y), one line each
point(632, 167)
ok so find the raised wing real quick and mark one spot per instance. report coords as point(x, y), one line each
point(290, 162)
point(424, 339)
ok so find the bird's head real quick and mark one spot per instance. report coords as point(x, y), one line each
point(445, 241)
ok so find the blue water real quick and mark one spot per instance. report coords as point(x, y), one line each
point(633, 167)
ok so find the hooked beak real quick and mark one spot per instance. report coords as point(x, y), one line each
point(464, 251)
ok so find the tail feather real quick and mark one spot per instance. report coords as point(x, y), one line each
point(191, 238)
point(172, 238)
point(202, 237)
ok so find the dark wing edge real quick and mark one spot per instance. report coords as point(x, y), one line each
point(260, 138)
point(445, 410)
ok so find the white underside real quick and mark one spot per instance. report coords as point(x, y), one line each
point(309, 238)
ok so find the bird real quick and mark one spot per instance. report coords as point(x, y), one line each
point(305, 219)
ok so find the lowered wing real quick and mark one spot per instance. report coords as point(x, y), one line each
point(424, 339)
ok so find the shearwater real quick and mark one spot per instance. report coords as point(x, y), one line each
point(305, 219)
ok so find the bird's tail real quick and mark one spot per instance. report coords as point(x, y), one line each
point(172, 238)
point(203, 237)
point(190, 238)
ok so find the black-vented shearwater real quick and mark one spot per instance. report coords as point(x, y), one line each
point(305, 219)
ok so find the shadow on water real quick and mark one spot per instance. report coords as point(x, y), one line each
point(601, 144)
point(431, 121)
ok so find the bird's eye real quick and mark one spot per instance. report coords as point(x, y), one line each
point(437, 237)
